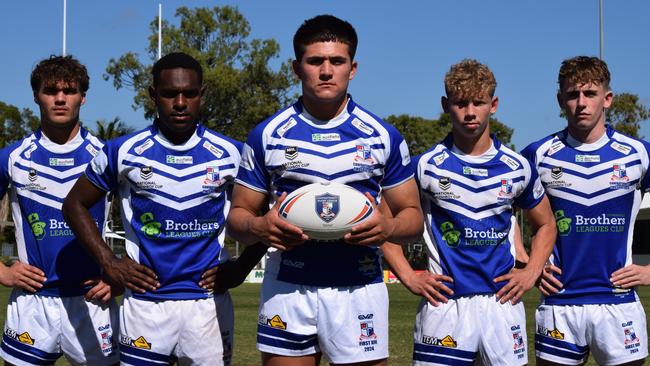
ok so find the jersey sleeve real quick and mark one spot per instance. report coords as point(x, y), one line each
point(645, 181)
point(5, 179)
point(102, 170)
point(252, 169)
point(533, 192)
point(398, 165)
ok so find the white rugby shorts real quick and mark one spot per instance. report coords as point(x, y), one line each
point(40, 329)
point(347, 324)
point(614, 333)
point(190, 332)
point(468, 329)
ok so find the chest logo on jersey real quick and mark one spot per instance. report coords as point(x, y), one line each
point(362, 126)
point(212, 180)
point(327, 206)
point(479, 172)
point(146, 173)
point(512, 163)
point(505, 195)
point(621, 148)
point(363, 160)
point(144, 147)
point(61, 162)
point(555, 147)
point(217, 152)
point(619, 178)
point(195, 228)
point(54, 228)
point(444, 183)
point(291, 153)
point(32, 176)
point(587, 158)
point(180, 160)
point(324, 137)
point(440, 158)
point(556, 173)
point(603, 223)
point(28, 152)
point(563, 223)
point(290, 123)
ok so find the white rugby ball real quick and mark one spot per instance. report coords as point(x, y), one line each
point(326, 211)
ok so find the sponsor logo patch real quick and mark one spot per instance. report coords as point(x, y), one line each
point(447, 341)
point(362, 126)
point(324, 137)
point(217, 152)
point(327, 206)
point(587, 158)
point(277, 322)
point(148, 143)
point(290, 123)
point(479, 172)
point(180, 160)
point(61, 162)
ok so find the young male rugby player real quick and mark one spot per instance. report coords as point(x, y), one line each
point(59, 305)
point(324, 298)
point(595, 178)
point(468, 185)
point(173, 180)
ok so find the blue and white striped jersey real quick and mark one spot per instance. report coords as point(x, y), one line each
point(38, 174)
point(173, 201)
point(467, 204)
point(292, 149)
point(595, 191)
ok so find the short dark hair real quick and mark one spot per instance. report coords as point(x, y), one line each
point(59, 68)
point(583, 70)
point(173, 61)
point(324, 28)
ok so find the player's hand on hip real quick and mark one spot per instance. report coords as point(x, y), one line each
point(22, 275)
point(630, 276)
point(375, 231)
point(430, 286)
point(223, 276)
point(101, 290)
point(548, 284)
point(275, 232)
point(126, 272)
point(519, 281)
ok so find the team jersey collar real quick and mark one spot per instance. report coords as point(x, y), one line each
point(578, 145)
point(496, 146)
point(334, 122)
point(187, 145)
point(69, 146)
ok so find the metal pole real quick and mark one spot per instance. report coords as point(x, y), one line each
point(65, 21)
point(602, 30)
point(159, 30)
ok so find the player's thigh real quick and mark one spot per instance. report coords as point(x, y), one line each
point(88, 331)
point(199, 341)
point(32, 329)
point(618, 333)
point(287, 321)
point(504, 340)
point(445, 334)
point(277, 360)
point(353, 323)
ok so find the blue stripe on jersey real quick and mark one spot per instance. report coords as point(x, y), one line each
point(174, 199)
point(285, 152)
point(468, 210)
point(28, 353)
point(40, 174)
point(284, 339)
point(595, 196)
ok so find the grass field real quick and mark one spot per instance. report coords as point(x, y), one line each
point(403, 306)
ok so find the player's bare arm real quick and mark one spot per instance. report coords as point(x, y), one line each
point(232, 273)
point(631, 276)
point(403, 225)
point(425, 283)
point(245, 224)
point(22, 275)
point(120, 271)
point(522, 280)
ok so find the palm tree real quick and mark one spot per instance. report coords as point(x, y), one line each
point(110, 130)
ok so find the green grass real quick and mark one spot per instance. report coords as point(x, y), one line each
point(403, 306)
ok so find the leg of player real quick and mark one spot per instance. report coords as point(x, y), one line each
point(542, 362)
point(269, 359)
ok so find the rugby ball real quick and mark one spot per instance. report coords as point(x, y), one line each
point(326, 211)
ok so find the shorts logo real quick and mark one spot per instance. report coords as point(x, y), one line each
point(106, 339)
point(554, 333)
point(449, 234)
point(367, 330)
point(146, 172)
point(517, 338)
point(447, 341)
point(141, 342)
point(327, 206)
point(26, 339)
point(563, 223)
point(632, 341)
point(38, 226)
point(291, 152)
point(277, 322)
point(150, 227)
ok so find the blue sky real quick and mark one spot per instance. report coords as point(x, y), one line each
point(405, 49)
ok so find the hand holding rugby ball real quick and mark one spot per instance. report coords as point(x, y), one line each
point(326, 211)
